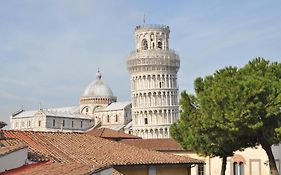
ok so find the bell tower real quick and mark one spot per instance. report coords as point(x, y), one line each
point(153, 70)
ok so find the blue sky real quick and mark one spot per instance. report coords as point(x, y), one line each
point(50, 50)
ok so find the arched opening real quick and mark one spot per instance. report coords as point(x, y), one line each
point(238, 163)
point(144, 44)
point(145, 121)
point(159, 44)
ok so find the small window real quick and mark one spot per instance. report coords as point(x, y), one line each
point(39, 123)
point(116, 118)
point(160, 84)
point(54, 122)
point(145, 121)
point(108, 119)
point(63, 122)
point(28, 123)
point(87, 109)
point(81, 124)
point(200, 170)
point(72, 123)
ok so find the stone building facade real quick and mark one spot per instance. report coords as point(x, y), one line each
point(98, 108)
point(153, 68)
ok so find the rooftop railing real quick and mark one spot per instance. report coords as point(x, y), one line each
point(146, 26)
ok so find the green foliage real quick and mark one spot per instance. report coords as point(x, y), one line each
point(232, 109)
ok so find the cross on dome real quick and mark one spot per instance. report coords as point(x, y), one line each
point(98, 75)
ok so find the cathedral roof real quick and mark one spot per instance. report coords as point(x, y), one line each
point(116, 106)
point(98, 88)
point(111, 134)
point(65, 112)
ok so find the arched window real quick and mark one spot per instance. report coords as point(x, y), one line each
point(144, 44)
point(238, 163)
point(241, 168)
point(159, 44)
point(238, 168)
point(235, 168)
point(145, 121)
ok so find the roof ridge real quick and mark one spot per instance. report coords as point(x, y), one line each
point(103, 129)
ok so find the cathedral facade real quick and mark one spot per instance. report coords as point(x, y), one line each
point(153, 107)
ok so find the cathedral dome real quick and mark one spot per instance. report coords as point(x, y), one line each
point(98, 88)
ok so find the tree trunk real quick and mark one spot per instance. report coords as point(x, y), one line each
point(272, 164)
point(223, 166)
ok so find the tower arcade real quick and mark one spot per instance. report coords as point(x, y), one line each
point(153, 70)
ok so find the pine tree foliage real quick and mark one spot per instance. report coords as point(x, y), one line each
point(231, 110)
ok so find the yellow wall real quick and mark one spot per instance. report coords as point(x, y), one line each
point(172, 170)
point(160, 170)
point(134, 171)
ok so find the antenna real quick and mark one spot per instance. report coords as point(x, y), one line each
point(40, 105)
point(144, 19)
point(61, 126)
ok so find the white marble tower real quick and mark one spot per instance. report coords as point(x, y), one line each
point(153, 69)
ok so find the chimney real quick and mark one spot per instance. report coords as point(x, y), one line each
point(2, 124)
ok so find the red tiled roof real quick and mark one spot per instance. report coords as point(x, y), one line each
point(76, 152)
point(33, 155)
point(111, 134)
point(155, 144)
point(4, 150)
point(48, 168)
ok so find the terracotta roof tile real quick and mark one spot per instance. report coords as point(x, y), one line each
point(83, 151)
point(4, 150)
point(33, 155)
point(154, 144)
point(111, 134)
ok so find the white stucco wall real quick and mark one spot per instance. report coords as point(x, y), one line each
point(13, 160)
point(55, 124)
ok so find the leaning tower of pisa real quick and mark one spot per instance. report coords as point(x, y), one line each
point(153, 70)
